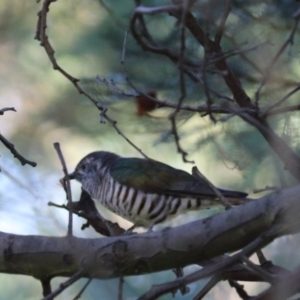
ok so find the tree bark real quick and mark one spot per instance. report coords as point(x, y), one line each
point(46, 257)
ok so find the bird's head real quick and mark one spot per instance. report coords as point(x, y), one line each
point(93, 166)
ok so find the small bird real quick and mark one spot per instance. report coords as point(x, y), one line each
point(145, 192)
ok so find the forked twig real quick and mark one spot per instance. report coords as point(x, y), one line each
point(267, 73)
point(219, 267)
point(64, 285)
point(239, 289)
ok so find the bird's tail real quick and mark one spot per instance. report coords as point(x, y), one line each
point(233, 194)
point(238, 201)
point(235, 197)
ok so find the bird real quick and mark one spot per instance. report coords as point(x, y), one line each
point(146, 192)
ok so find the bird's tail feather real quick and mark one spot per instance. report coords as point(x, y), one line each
point(233, 194)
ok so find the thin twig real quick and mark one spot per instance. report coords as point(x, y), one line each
point(221, 26)
point(284, 287)
point(179, 274)
point(83, 289)
point(202, 108)
point(239, 289)
point(86, 209)
point(172, 117)
point(282, 110)
point(210, 284)
point(262, 259)
point(209, 100)
point(43, 38)
point(112, 15)
point(15, 153)
point(120, 288)
point(67, 187)
point(3, 110)
point(64, 285)
point(267, 73)
point(266, 188)
point(258, 270)
point(219, 267)
point(279, 102)
point(197, 173)
point(230, 78)
point(124, 48)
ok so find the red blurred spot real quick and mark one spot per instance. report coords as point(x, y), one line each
point(145, 105)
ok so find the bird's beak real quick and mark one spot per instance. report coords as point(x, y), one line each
point(67, 177)
point(71, 176)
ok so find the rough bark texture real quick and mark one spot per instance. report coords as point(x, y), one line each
point(46, 257)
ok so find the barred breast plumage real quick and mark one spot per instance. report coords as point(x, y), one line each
point(145, 192)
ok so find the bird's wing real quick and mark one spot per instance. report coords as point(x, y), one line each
point(155, 177)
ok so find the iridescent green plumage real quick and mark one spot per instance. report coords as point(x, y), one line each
point(151, 176)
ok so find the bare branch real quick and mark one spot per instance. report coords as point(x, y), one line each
point(64, 285)
point(86, 209)
point(239, 289)
point(43, 38)
point(113, 16)
point(3, 110)
point(210, 284)
point(267, 73)
point(221, 26)
point(289, 158)
point(213, 49)
point(15, 153)
point(258, 270)
point(279, 102)
point(285, 286)
point(283, 110)
point(262, 259)
point(217, 268)
point(67, 186)
point(83, 289)
point(197, 173)
point(172, 117)
point(120, 288)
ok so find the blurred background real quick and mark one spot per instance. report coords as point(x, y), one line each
point(87, 36)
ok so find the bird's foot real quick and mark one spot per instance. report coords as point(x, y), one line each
point(129, 231)
point(150, 229)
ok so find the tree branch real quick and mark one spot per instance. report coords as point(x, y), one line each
point(137, 254)
point(16, 154)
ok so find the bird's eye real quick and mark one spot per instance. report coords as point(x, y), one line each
point(83, 167)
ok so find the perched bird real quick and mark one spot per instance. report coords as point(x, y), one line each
point(145, 192)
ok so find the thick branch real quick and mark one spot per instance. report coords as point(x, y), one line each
point(153, 251)
point(287, 156)
point(213, 49)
